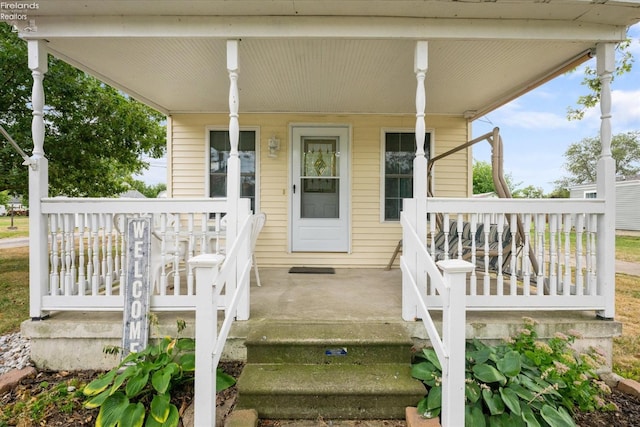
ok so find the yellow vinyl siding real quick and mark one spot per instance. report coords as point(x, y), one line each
point(372, 241)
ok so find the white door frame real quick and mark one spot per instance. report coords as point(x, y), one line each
point(342, 239)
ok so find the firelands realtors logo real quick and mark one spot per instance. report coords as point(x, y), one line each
point(16, 11)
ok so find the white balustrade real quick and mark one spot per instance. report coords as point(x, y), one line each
point(87, 246)
point(528, 254)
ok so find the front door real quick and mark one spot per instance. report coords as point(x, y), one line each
point(320, 189)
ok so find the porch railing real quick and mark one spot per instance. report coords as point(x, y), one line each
point(418, 269)
point(215, 273)
point(529, 254)
point(86, 251)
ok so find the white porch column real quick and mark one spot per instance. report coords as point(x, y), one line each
point(606, 184)
point(38, 184)
point(420, 161)
point(233, 163)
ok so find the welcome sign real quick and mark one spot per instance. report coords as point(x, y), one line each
point(137, 286)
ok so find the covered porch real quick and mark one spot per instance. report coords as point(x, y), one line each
point(368, 70)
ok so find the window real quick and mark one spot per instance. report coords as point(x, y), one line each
point(399, 152)
point(219, 148)
point(590, 194)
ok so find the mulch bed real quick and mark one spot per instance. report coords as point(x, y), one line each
point(628, 414)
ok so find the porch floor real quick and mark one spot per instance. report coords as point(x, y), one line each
point(349, 295)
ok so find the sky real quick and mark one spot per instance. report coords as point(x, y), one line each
point(536, 132)
point(534, 128)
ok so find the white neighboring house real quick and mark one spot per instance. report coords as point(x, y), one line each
point(627, 195)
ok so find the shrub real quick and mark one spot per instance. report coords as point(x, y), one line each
point(138, 391)
point(521, 382)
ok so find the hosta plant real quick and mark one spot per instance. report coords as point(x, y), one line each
point(138, 391)
point(521, 382)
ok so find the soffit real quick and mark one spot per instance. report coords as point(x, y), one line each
point(145, 49)
point(326, 76)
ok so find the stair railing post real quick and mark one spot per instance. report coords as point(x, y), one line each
point(409, 258)
point(453, 338)
point(206, 267)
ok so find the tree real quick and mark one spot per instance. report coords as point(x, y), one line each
point(149, 191)
point(4, 198)
point(483, 178)
point(529, 192)
point(624, 63)
point(95, 136)
point(582, 158)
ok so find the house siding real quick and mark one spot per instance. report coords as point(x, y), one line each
point(372, 240)
point(627, 195)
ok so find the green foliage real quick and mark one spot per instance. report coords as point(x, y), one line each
point(522, 382)
point(529, 192)
point(149, 191)
point(582, 158)
point(483, 178)
point(138, 391)
point(4, 198)
point(95, 136)
point(624, 63)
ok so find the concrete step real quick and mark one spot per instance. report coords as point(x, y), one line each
point(329, 391)
point(329, 370)
point(328, 343)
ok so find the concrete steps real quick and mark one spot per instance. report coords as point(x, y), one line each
point(328, 370)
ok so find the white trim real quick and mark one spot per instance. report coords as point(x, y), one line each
point(349, 175)
point(364, 27)
point(383, 132)
point(169, 158)
point(207, 160)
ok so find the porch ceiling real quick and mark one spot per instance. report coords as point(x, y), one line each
point(295, 58)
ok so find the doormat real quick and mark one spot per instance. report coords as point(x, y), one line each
point(312, 270)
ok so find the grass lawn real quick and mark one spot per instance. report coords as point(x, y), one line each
point(21, 224)
point(628, 248)
point(14, 288)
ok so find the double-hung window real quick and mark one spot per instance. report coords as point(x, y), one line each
point(219, 148)
point(399, 152)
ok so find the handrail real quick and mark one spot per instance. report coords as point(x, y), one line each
point(27, 160)
point(226, 270)
point(213, 273)
point(450, 349)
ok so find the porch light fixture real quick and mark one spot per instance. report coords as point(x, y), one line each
point(274, 146)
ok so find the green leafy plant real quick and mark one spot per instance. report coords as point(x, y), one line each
point(138, 391)
point(521, 382)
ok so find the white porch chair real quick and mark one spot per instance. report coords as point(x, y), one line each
point(258, 223)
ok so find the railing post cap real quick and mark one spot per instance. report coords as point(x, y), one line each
point(455, 266)
point(206, 260)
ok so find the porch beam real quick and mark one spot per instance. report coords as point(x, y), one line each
point(606, 184)
point(358, 27)
point(38, 183)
